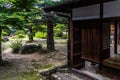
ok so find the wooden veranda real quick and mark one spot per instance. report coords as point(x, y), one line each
point(90, 31)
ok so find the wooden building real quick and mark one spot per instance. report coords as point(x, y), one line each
point(89, 30)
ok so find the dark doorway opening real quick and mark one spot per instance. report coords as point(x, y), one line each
point(114, 38)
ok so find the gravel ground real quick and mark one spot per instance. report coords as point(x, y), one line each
point(23, 63)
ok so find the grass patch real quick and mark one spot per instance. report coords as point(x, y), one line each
point(39, 66)
point(32, 75)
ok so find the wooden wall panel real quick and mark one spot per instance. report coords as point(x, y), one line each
point(78, 62)
point(86, 42)
point(90, 41)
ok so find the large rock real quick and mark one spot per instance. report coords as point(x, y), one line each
point(31, 48)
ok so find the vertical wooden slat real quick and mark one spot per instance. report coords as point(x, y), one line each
point(90, 40)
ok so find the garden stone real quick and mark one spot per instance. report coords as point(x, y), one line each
point(27, 49)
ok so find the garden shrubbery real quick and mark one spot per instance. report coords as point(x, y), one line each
point(20, 36)
point(15, 45)
point(59, 31)
point(42, 35)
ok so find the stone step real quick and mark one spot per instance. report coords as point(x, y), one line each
point(65, 76)
point(93, 75)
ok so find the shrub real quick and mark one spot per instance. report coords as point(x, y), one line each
point(19, 32)
point(2, 38)
point(42, 35)
point(15, 45)
point(65, 36)
point(20, 35)
point(27, 49)
point(58, 33)
point(4, 33)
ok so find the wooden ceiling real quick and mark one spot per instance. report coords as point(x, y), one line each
point(68, 6)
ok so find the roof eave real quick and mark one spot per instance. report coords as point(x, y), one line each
point(68, 6)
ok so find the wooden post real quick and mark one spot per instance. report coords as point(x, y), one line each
point(115, 38)
point(68, 44)
point(71, 42)
point(101, 32)
point(0, 47)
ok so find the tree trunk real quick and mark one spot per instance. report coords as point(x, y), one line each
point(30, 34)
point(50, 36)
point(0, 46)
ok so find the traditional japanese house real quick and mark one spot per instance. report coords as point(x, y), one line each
point(89, 32)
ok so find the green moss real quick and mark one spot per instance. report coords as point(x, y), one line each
point(39, 66)
point(32, 75)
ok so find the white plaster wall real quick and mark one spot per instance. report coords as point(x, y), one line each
point(112, 9)
point(89, 12)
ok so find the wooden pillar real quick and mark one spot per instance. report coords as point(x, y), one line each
point(0, 47)
point(68, 44)
point(71, 42)
point(101, 31)
point(115, 38)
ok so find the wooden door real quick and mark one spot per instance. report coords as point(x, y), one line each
point(90, 41)
point(78, 62)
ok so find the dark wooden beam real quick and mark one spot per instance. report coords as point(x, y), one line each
point(101, 32)
point(115, 38)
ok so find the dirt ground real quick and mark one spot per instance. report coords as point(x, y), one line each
point(23, 63)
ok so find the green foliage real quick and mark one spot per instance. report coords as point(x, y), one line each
point(59, 29)
point(65, 36)
point(41, 28)
point(25, 5)
point(52, 2)
point(42, 35)
point(4, 33)
point(15, 45)
point(21, 36)
point(58, 33)
point(2, 38)
point(19, 32)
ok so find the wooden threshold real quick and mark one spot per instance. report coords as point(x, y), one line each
point(78, 65)
point(91, 60)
